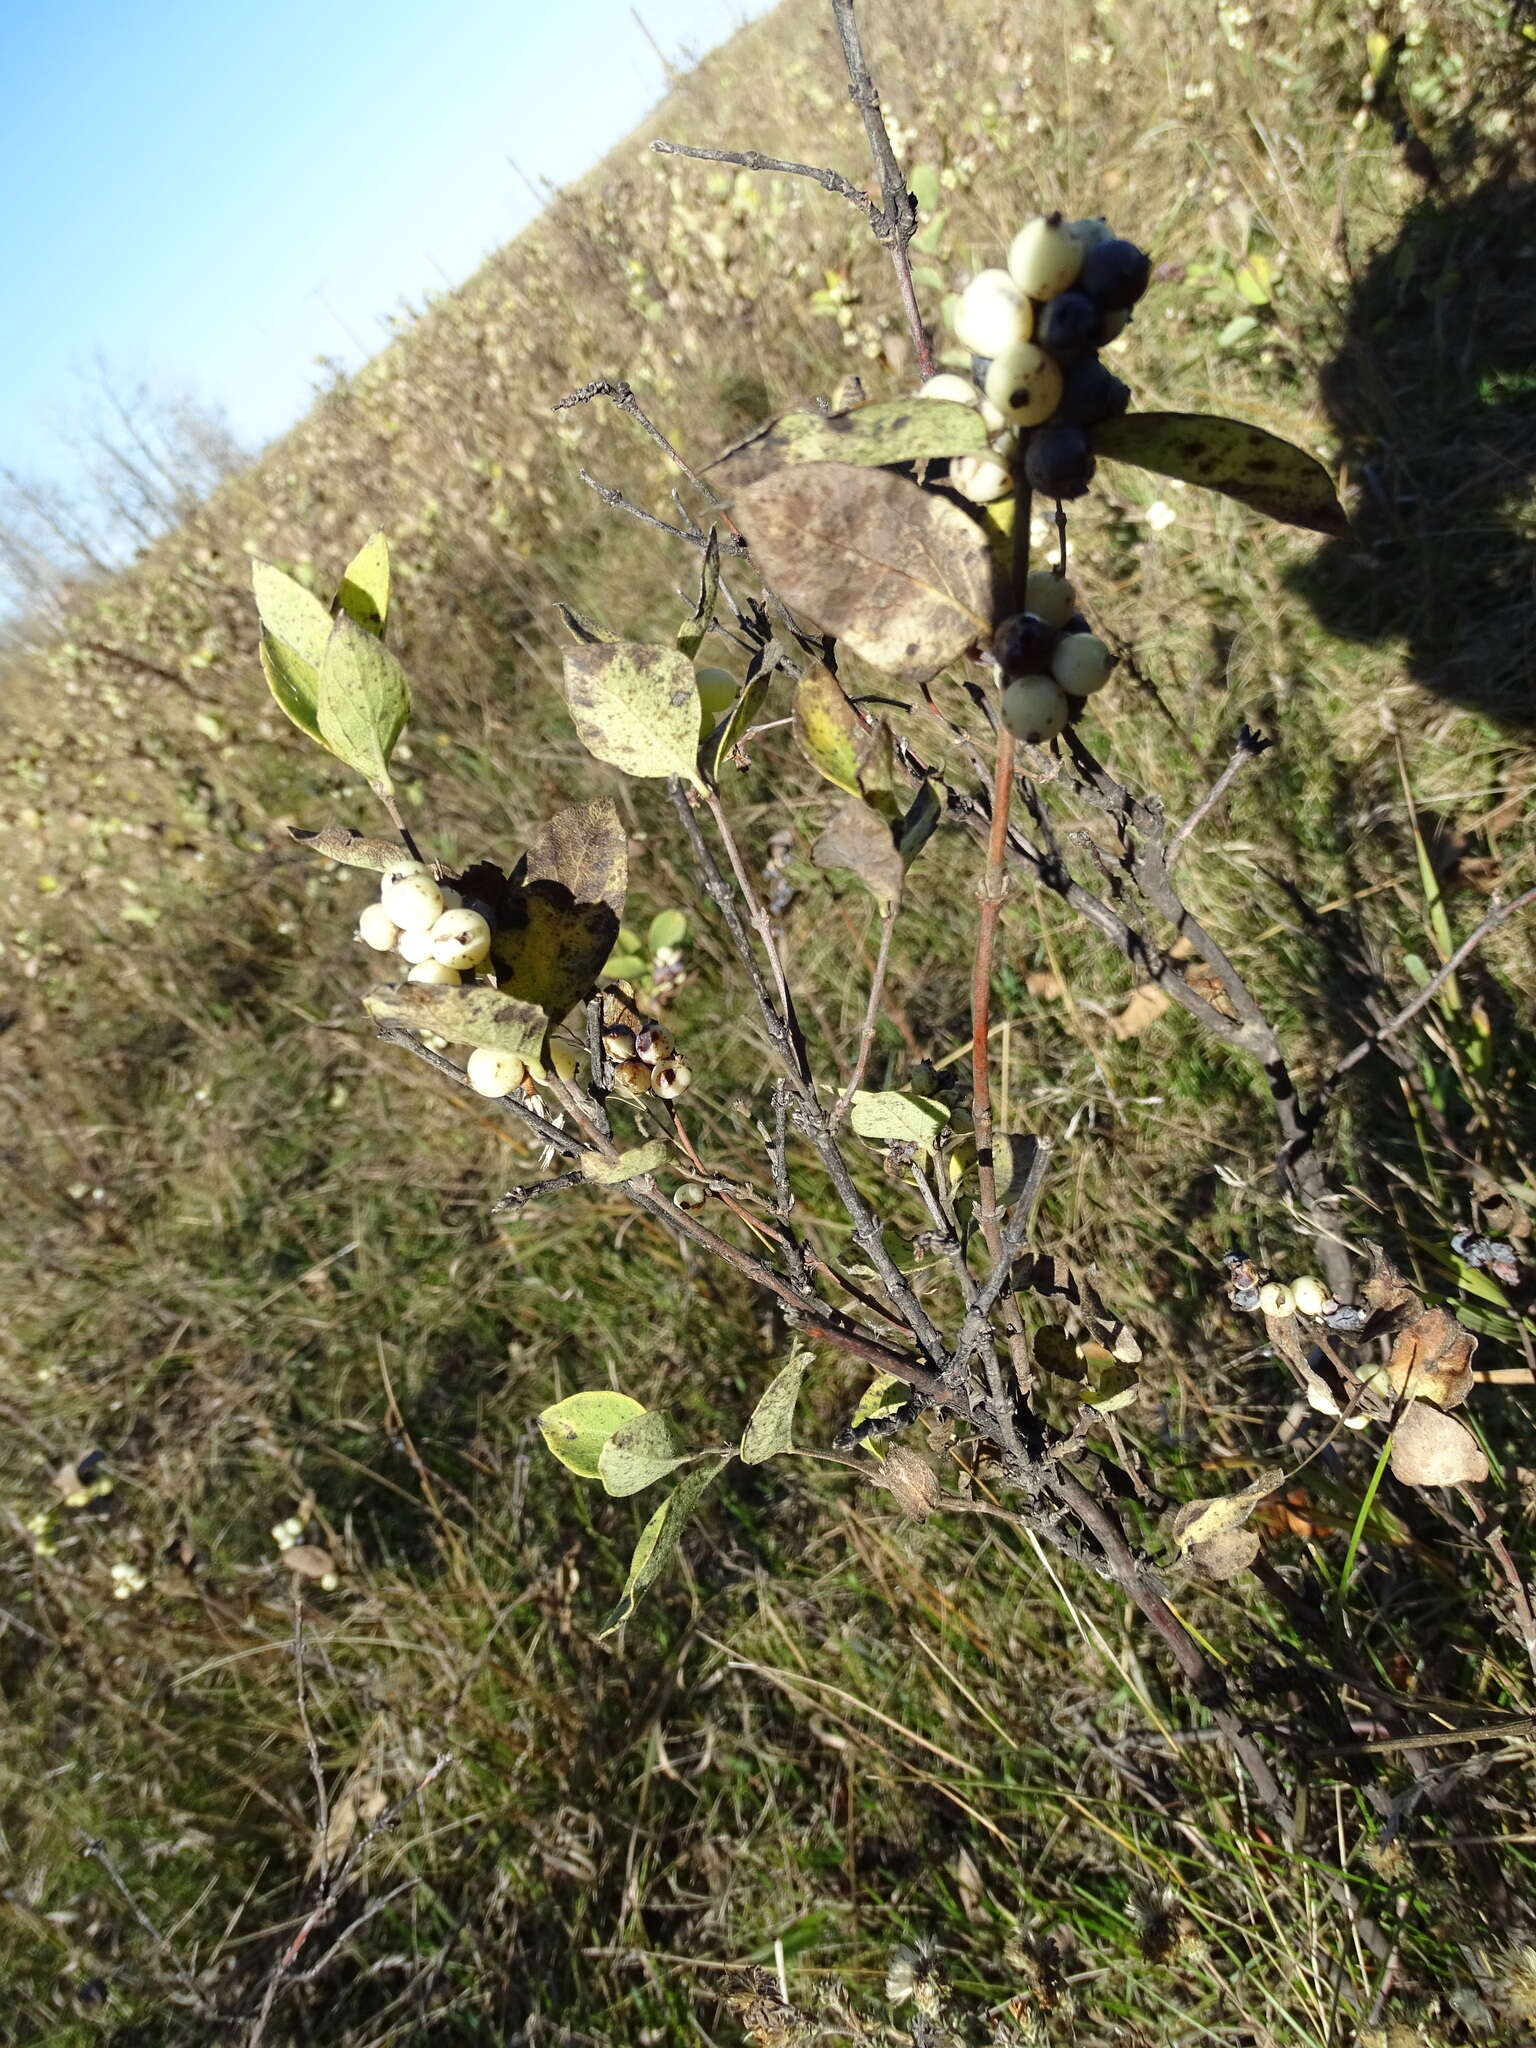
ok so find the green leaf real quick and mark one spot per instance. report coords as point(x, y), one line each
point(690, 636)
point(364, 701)
point(923, 183)
point(465, 1016)
point(873, 436)
point(291, 614)
point(1253, 278)
point(294, 684)
point(625, 967)
point(771, 1429)
point(1237, 329)
point(638, 1454)
point(364, 592)
point(827, 728)
point(900, 574)
point(635, 707)
point(658, 1540)
point(891, 1118)
point(611, 1173)
point(668, 928)
point(1258, 469)
point(737, 720)
point(576, 1428)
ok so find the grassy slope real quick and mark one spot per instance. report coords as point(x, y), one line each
point(250, 1256)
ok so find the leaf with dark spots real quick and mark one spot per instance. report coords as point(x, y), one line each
point(890, 431)
point(900, 574)
point(1244, 462)
point(465, 1016)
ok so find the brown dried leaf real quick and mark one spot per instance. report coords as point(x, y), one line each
point(1386, 1289)
point(911, 1482)
point(1224, 1556)
point(1431, 1360)
point(1047, 984)
point(1201, 1522)
point(1430, 1448)
point(1142, 1010)
point(900, 574)
point(307, 1560)
point(860, 840)
point(352, 849)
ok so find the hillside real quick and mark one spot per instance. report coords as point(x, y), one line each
point(251, 1259)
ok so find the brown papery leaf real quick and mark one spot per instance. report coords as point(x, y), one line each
point(308, 1560)
point(860, 840)
point(1432, 1360)
point(900, 574)
point(1433, 1449)
point(1142, 1010)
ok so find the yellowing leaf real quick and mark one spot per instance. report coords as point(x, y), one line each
point(635, 707)
point(351, 849)
point(291, 614)
point(363, 702)
point(827, 728)
point(771, 1428)
point(294, 684)
point(900, 574)
point(464, 1016)
point(638, 1454)
point(1203, 1521)
point(611, 1173)
point(658, 1540)
point(1243, 462)
point(364, 592)
point(576, 1428)
point(889, 1117)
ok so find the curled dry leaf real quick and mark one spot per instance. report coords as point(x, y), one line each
point(1431, 1360)
point(1430, 1448)
point(1224, 1556)
point(1200, 1523)
point(911, 1482)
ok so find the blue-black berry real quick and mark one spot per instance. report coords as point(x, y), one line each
point(1058, 461)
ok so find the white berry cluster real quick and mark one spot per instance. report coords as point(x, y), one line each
point(440, 937)
point(1049, 660)
point(1034, 331)
point(127, 1580)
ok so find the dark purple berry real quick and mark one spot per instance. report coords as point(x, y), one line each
point(1115, 274)
point(1078, 623)
point(1069, 325)
point(1090, 393)
point(1058, 461)
point(1023, 645)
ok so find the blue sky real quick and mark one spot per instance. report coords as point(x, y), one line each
point(214, 195)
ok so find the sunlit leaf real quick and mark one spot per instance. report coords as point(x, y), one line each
point(891, 1118)
point(638, 1454)
point(364, 592)
point(1430, 1448)
point(635, 707)
point(464, 1016)
point(291, 614)
point(668, 929)
point(576, 1428)
point(1243, 462)
point(690, 635)
point(351, 849)
point(363, 702)
point(294, 684)
point(900, 574)
point(612, 1173)
point(771, 1428)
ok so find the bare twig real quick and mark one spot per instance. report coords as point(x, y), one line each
point(621, 395)
point(871, 1020)
point(754, 160)
point(733, 545)
point(1249, 746)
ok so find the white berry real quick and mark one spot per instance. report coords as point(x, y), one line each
point(1024, 383)
point(992, 314)
point(494, 1073)
point(952, 387)
point(435, 972)
point(376, 928)
point(1035, 709)
point(1081, 664)
point(460, 938)
point(1310, 1295)
point(1050, 597)
point(1044, 259)
point(1277, 1300)
point(414, 947)
point(413, 900)
point(981, 478)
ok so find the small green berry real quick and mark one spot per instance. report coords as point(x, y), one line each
point(1082, 664)
point(1310, 1295)
point(1050, 597)
point(1035, 709)
point(717, 689)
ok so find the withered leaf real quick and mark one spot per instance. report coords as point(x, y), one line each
point(1430, 1448)
point(900, 574)
point(352, 849)
point(464, 1016)
point(558, 923)
point(1431, 1360)
point(891, 430)
point(307, 1561)
point(862, 841)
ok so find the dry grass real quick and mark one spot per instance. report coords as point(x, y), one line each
point(250, 1258)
